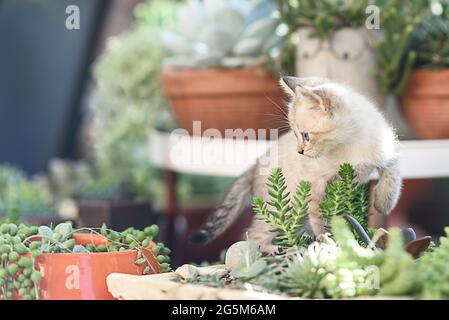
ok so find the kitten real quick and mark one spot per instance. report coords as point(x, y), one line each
point(330, 125)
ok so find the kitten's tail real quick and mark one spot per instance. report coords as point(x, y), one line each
point(228, 211)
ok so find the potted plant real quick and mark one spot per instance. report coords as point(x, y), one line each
point(335, 40)
point(66, 263)
point(425, 99)
point(217, 71)
point(106, 199)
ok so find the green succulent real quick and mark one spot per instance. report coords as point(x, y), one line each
point(10, 175)
point(102, 187)
point(325, 16)
point(429, 40)
point(286, 216)
point(222, 33)
point(27, 198)
point(345, 195)
point(306, 271)
point(433, 274)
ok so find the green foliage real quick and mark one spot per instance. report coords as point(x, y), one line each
point(398, 19)
point(252, 265)
point(429, 41)
point(433, 274)
point(346, 196)
point(323, 16)
point(66, 178)
point(125, 106)
point(306, 270)
point(28, 198)
point(285, 216)
point(103, 187)
point(10, 175)
point(20, 196)
point(19, 249)
point(155, 14)
point(128, 100)
point(397, 270)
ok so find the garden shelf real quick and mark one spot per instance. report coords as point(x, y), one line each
point(180, 153)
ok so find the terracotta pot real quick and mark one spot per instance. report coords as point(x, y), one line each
point(224, 99)
point(425, 103)
point(82, 276)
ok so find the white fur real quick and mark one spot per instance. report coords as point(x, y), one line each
point(360, 136)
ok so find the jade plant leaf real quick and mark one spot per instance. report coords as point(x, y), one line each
point(45, 232)
point(64, 229)
point(80, 249)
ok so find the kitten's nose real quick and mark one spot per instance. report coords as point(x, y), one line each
point(300, 151)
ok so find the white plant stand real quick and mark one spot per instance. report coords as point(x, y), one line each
point(181, 153)
point(220, 157)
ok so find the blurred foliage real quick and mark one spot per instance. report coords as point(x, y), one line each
point(430, 40)
point(125, 107)
point(222, 33)
point(21, 196)
point(398, 19)
point(127, 103)
point(433, 274)
point(103, 187)
point(324, 16)
point(391, 43)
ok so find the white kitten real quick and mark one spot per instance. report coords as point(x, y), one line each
point(331, 124)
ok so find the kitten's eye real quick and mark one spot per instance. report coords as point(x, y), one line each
point(305, 135)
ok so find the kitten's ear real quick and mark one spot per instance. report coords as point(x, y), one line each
point(289, 84)
point(317, 100)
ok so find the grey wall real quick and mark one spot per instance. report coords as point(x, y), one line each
point(42, 67)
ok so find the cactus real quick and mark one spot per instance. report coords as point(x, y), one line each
point(222, 33)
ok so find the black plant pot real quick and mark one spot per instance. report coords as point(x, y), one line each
point(116, 214)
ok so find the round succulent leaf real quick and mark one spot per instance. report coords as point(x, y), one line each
point(79, 249)
point(248, 47)
point(45, 232)
point(190, 19)
point(272, 42)
point(236, 62)
point(230, 19)
point(217, 39)
point(259, 10)
point(176, 43)
point(262, 28)
point(64, 229)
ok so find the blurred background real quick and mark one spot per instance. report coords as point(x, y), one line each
point(90, 89)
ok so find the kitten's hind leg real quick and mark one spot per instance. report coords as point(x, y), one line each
point(388, 189)
point(260, 233)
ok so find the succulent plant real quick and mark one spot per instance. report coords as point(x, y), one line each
point(433, 274)
point(27, 198)
point(222, 33)
point(429, 41)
